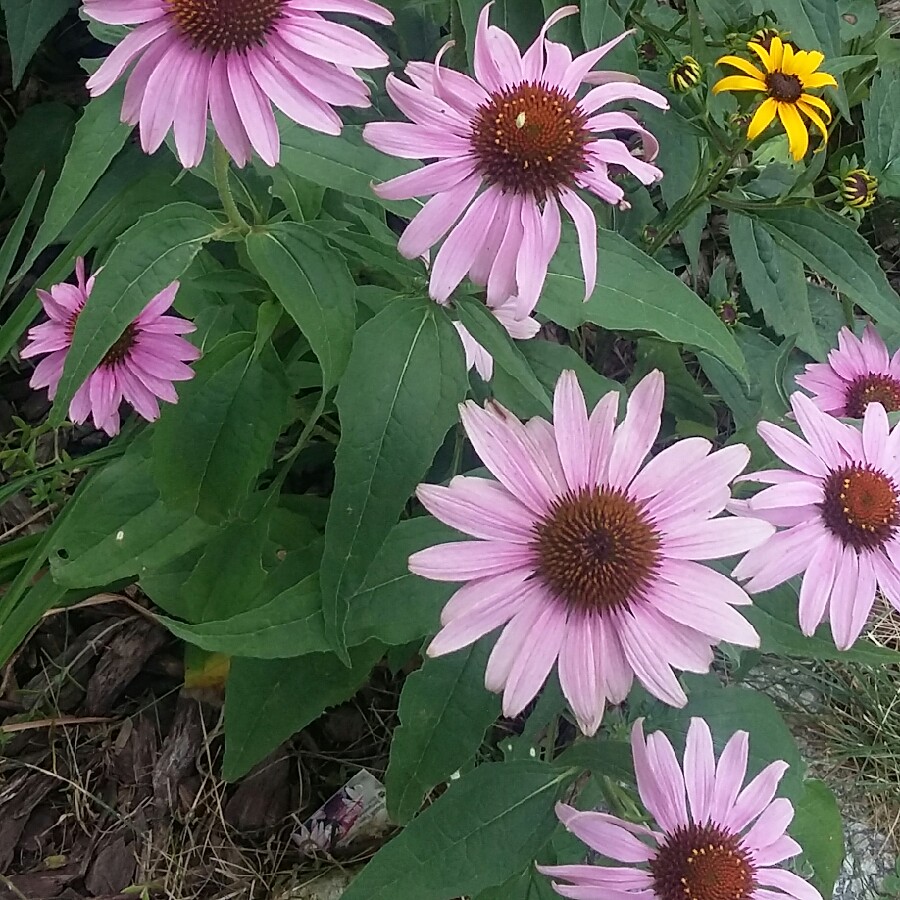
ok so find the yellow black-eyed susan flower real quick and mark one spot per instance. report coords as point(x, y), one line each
point(685, 75)
point(858, 189)
point(788, 75)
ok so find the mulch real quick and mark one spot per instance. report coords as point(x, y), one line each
point(110, 780)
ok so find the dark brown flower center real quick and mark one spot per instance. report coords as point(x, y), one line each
point(530, 140)
point(872, 388)
point(860, 506)
point(225, 25)
point(702, 862)
point(120, 348)
point(597, 549)
point(784, 88)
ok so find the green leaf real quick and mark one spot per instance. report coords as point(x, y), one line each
point(634, 293)
point(283, 620)
point(830, 247)
point(392, 604)
point(722, 16)
point(13, 240)
point(118, 526)
point(27, 24)
point(521, 20)
point(146, 259)
point(813, 24)
point(881, 121)
point(600, 23)
point(684, 398)
point(99, 136)
point(397, 400)
point(211, 445)
point(529, 885)
point(444, 712)
point(600, 757)
point(487, 827)
point(346, 163)
point(774, 615)
point(548, 360)
point(266, 701)
point(817, 827)
point(37, 143)
point(228, 574)
point(730, 709)
point(507, 355)
point(774, 280)
point(313, 283)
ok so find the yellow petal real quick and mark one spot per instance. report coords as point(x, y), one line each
point(746, 67)
point(776, 54)
point(763, 55)
point(818, 103)
point(738, 83)
point(807, 61)
point(796, 130)
point(787, 60)
point(762, 118)
point(816, 120)
point(818, 80)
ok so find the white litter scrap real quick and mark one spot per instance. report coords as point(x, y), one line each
point(355, 814)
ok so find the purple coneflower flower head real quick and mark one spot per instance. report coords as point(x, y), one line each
point(858, 372)
point(511, 146)
point(139, 368)
point(519, 329)
point(232, 59)
point(715, 838)
point(589, 558)
point(838, 504)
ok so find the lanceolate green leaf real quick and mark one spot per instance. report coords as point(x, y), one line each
point(397, 400)
point(813, 24)
point(119, 527)
point(266, 701)
point(774, 280)
point(13, 240)
point(313, 283)
point(634, 293)
point(147, 258)
point(486, 828)
point(346, 163)
point(285, 617)
point(818, 829)
point(476, 317)
point(27, 24)
point(445, 710)
point(730, 709)
point(881, 122)
point(211, 445)
point(99, 136)
point(830, 247)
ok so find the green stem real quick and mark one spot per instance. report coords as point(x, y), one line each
point(221, 165)
point(698, 194)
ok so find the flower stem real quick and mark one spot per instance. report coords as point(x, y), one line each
point(221, 165)
point(698, 194)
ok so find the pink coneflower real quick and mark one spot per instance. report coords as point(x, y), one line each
point(235, 58)
point(511, 145)
point(518, 329)
point(139, 368)
point(586, 557)
point(839, 503)
point(716, 838)
point(858, 372)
